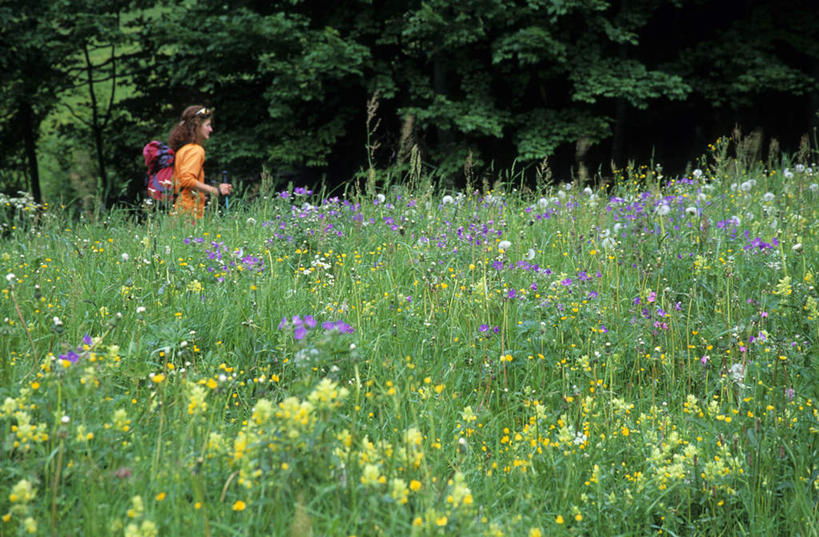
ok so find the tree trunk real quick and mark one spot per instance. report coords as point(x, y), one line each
point(439, 86)
point(30, 128)
point(96, 129)
point(619, 137)
point(445, 136)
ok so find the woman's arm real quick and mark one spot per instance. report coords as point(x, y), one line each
point(189, 170)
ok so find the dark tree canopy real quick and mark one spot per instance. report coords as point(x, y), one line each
point(311, 88)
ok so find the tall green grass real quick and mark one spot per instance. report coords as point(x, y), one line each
point(632, 359)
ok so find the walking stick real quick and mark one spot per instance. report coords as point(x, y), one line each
point(227, 198)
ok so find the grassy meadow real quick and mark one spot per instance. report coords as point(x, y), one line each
point(636, 358)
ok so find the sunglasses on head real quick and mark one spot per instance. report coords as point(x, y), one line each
point(203, 112)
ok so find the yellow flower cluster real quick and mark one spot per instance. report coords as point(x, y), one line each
point(783, 287)
point(296, 417)
point(121, 420)
point(22, 493)
point(282, 429)
point(9, 406)
point(146, 529)
point(459, 493)
point(26, 433)
point(137, 528)
point(196, 399)
point(263, 411)
point(328, 395)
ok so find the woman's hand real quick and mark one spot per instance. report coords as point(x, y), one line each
point(225, 188)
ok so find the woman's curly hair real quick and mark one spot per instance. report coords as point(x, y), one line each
point(186, 131)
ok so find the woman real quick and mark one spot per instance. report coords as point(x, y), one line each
point(189, 174)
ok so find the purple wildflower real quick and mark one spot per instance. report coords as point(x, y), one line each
point(339, 326)
point(71, 356)
point(300, 332)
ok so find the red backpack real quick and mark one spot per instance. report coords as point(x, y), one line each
point(159, 177)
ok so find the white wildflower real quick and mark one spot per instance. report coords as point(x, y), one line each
point(738, 373)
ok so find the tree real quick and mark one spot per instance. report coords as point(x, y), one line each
point(489, 80)
point(93, 32)
point(486, 81)
point(50, 48)
point(277, 82)
point(30, 50)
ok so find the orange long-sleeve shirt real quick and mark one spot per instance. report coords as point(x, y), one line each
point(188, 169)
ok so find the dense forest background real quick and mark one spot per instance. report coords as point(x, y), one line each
point(324, 91)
